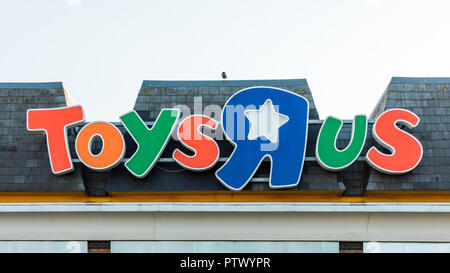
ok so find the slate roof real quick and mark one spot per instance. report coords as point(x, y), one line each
point(24, 164)
point(155, 95)
point(429, 98)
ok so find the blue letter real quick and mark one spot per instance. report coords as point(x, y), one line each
point(265, 122)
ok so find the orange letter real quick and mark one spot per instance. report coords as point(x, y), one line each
point(113, 146)
point(406, 150)
point(206, 151)
point(55, 121)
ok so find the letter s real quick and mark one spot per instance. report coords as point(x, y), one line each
point(206, 151)
point(406, 150)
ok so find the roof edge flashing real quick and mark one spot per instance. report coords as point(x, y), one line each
point(188, 83)
point(381, 104)
point(420, 80)
point(69, 100)
point(31, 85)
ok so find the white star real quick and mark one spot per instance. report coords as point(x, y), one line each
point(265, 122)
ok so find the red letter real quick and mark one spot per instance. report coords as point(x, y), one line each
point(206, 151)
point(406, 150)
point(54, 122)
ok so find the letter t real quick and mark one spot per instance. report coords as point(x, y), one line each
point(55, 121)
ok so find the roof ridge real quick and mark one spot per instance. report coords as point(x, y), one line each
point(169, 83)
point(420, 80)
point(30, 85)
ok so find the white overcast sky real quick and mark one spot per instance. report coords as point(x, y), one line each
point(102, 50)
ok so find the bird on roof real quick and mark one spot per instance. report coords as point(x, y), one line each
point(224, 75)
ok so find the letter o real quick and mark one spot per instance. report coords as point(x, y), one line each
point(113, 148)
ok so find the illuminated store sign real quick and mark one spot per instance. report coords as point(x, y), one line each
point(261, 122)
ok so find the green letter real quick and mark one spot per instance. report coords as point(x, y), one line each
point(151, 142)
point(328, 156)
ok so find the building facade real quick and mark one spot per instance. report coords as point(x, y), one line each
point(173, 209)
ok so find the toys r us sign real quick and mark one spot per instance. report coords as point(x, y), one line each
point(261, 122)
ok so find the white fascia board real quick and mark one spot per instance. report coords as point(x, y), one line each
point(226, 207)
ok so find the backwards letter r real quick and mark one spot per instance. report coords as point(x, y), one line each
point(265, 122)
